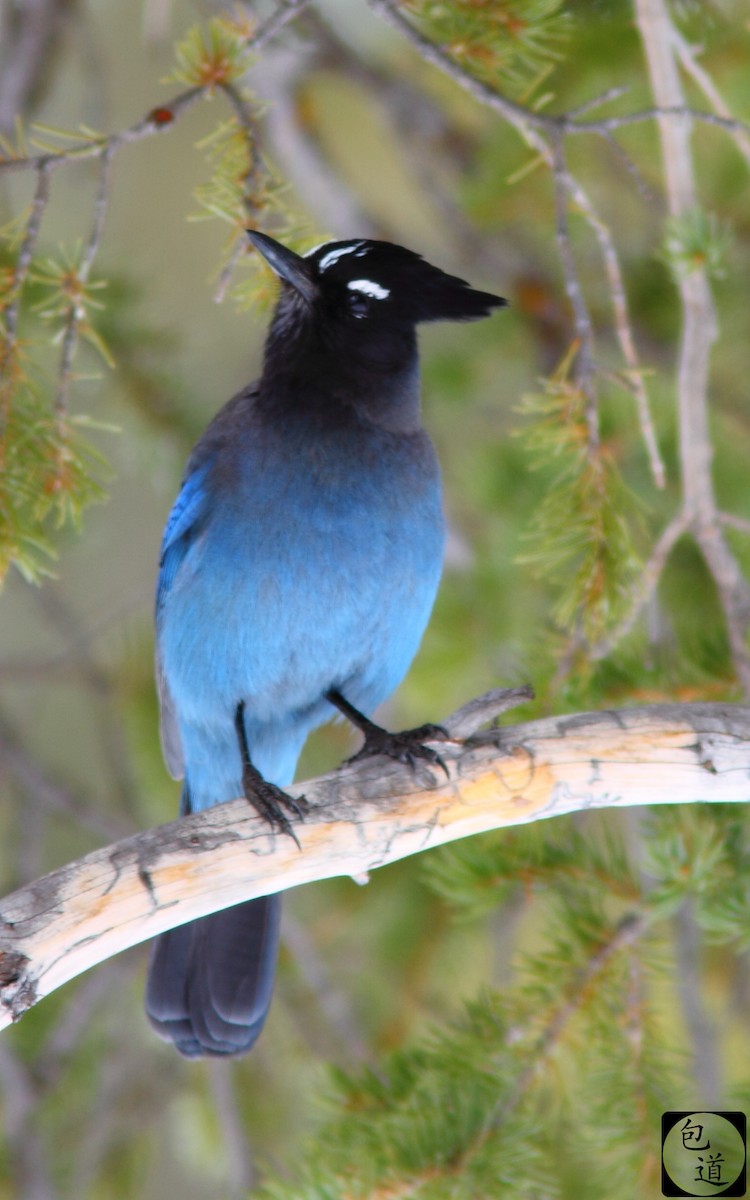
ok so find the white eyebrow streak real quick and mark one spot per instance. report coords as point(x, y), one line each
point(369, 288)
point(334, 255)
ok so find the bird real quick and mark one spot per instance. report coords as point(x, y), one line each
point(298, 570)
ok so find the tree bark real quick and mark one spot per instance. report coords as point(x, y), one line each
point(363, 816)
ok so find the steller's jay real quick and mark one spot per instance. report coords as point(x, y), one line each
point(298, 569)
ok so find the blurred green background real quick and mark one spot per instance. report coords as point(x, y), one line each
point(373, 141)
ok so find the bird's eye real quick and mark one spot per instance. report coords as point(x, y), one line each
point(359, 304)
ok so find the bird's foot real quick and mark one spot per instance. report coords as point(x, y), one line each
point(272, 803)
point(406, 747)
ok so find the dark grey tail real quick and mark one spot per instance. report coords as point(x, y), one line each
point(210, 982)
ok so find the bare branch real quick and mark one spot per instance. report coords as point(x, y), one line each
point(647, 583)
point(26, 252)
point(739, 523)
point(699, 331)
point(76, 310)
point(363, 817)
point(287, 11)
point(584, 330)
point(676, 112)
point(690, 65)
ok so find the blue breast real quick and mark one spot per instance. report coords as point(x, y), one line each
point(314, 566)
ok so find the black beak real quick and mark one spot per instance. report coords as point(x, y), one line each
point(290, 267)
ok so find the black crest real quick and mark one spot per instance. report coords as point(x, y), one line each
point(369, 280)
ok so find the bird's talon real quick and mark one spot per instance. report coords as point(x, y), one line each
point(269, 801)
point(406, 747)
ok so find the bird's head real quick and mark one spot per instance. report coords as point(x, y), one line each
point(361, 281)
point(356, 303)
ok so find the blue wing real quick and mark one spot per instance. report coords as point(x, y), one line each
point(183, 523)
point(185, 520)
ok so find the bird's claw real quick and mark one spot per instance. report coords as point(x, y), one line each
point(406, 747)
point(270, 802)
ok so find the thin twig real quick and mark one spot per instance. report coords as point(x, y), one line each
point(26, 251)
point(623, 329)
point(642, 186)
point(703, 80)
point(613, 93)
point(287, 11)
point(734, 522)
point(156, 121)
point(247, 122)
point(581, 315)
point(648, 579)
point(655, 113)
point(76, 309)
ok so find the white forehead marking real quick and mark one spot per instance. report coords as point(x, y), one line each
point(369, 288)
point(334, 255)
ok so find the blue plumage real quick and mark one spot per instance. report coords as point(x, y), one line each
point(301, 558)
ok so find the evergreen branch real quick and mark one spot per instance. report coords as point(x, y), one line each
point(529, 124)
point(156, 121)
point(629, 929)
point(361, 817)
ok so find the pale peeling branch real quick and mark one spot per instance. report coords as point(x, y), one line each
point(362, 817)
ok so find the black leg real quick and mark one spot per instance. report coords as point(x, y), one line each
point(406, 746)
point(266, 798)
